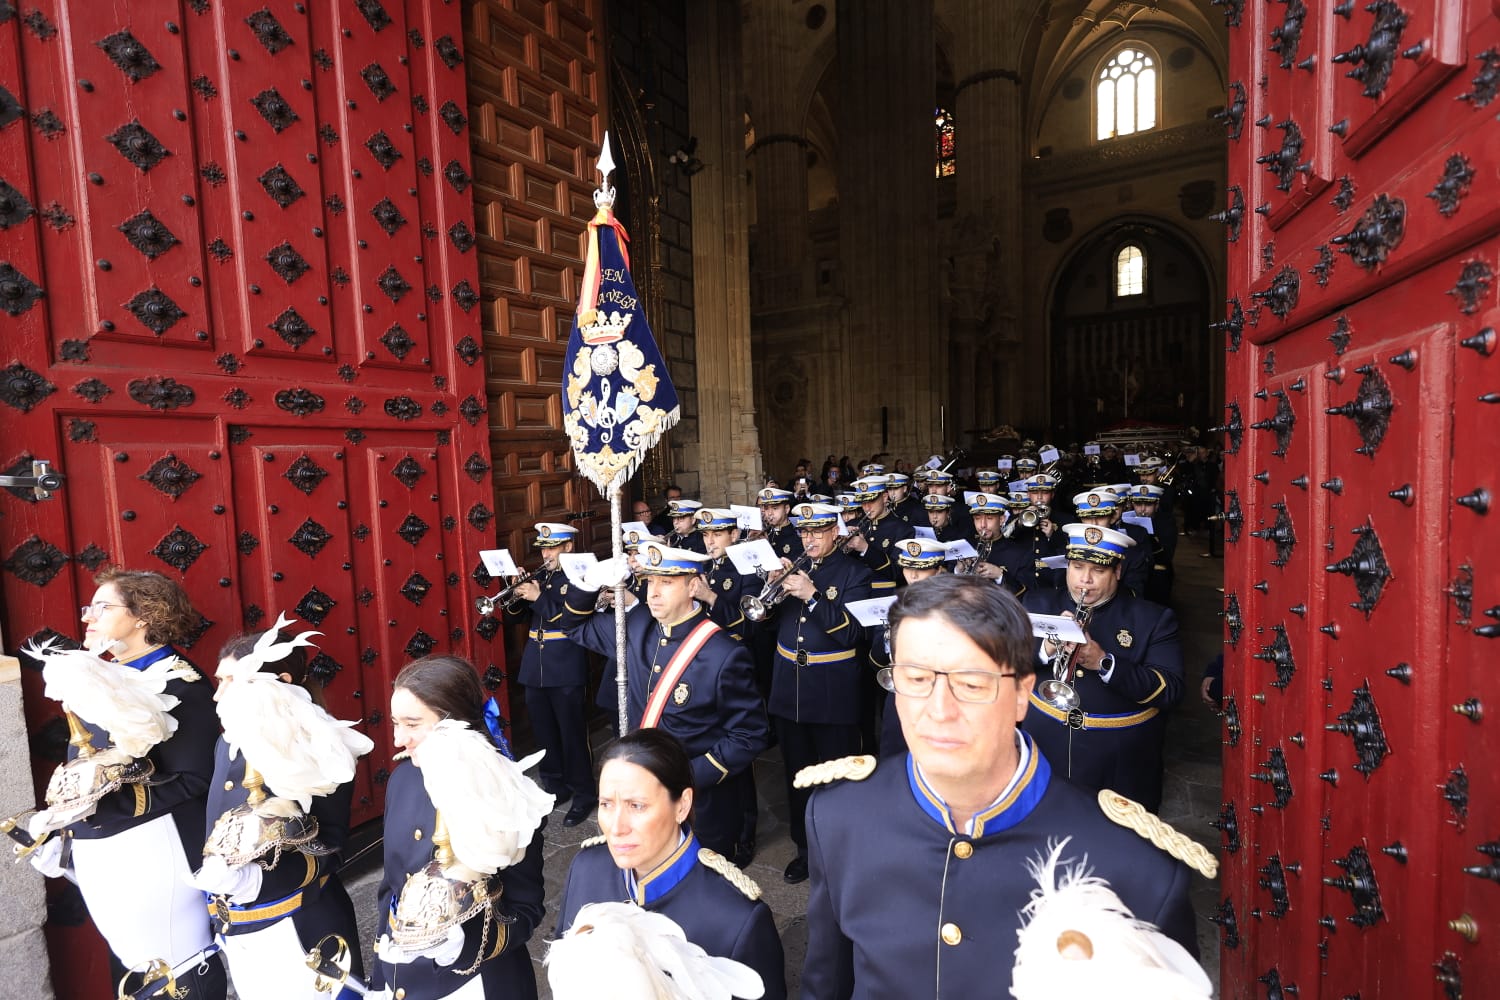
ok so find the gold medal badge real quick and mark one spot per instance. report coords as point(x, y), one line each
point(1124, 638)
point(833, 593)
point(680, 694)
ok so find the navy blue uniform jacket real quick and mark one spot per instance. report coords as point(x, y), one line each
point(826, 689)
point(184, 767)
point(712, 913)
point(714, 709)
point(549, 659)
point(325, 907)
point(888, 874)
point(506, 970)
point(1120, 746)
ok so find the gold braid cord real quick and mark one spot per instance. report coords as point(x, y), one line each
point(593, 842)
point(716, 861)
point(1132, 815)
point(856, 768)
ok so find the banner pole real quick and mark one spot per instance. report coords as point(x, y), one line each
point(618, 549)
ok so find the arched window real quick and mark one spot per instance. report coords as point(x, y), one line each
point(1130, 271)
point(942, 121)
point(1126, 94)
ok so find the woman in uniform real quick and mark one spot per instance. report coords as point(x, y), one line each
point(132, 854)
point(484, 955)
point(275, 906)
point(649, 856)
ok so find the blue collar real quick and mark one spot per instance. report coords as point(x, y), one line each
point(667, 876)
point(149, 657)
point(1014, 804)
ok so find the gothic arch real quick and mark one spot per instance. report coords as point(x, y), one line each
point(1111, 360)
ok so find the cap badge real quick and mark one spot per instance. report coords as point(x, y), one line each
point(1093, 535)
point(654, 557)
point(1093, 499)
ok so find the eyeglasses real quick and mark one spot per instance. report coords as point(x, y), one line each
point(975, 687)
point(97, 608)
point(814, 531)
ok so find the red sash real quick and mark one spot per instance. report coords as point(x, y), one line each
point(676, 667)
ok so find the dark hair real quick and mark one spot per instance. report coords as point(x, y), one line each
point(660, 753)
point(157, 600)
point(448, 685)
point(990, 616)
point(293, 663)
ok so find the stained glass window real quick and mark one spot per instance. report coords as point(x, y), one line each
point(1126, 94)
point(1130, 271)
point(947, 164)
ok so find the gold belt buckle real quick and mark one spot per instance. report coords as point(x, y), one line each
point(1075, 719)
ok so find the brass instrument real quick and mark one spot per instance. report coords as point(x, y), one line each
point(1057, 691)
point(507, 598)
point(1165, 479)
point(758, 607)
point(969, 566)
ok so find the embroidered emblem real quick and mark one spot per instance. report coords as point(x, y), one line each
point(563, 590)
point(1093, 535)
point(654, 557)
point(787, 548)
point(634, 538)
point(833, 593)
point(914, 548)
point(544, 532)
point(728, 584)
point(1125, 639)
point(885, 543)
point(680, 694)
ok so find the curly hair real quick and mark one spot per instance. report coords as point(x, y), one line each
point(157, 600)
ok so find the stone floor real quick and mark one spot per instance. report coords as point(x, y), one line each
point(1191, 802)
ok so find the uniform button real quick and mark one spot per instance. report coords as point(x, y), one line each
point(400, 993)
point(416, 835)
point(951, 934)
point(228, 786)
point(1078, 673)
point(656, 670)
point(962, 850)
point(803, 619)
point(662, 641)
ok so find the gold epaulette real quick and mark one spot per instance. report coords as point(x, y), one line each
point(856, 768)
point(744, 883)
point(1134, 816)
point(592, 842)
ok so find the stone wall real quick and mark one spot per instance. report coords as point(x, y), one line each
point(23, 948)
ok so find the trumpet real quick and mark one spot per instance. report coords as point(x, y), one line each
point(507, 598)
point(759, 606)
point(1165, 479)
point(1056, 691)
point(1028, 518)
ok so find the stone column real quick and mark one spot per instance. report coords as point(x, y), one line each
point(778, 159)
point(23, 905)
point(894, 355)
point(729, 446)
point(989, 130)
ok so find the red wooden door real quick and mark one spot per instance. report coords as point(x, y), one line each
point(238, 281)
point(1360, 828)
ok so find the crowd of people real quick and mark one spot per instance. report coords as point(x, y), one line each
point(942, 728)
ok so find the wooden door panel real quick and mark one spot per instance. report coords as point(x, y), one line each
point(1358, 302)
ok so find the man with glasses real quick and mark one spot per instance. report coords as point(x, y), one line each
point(817, 674)
point(918, 864)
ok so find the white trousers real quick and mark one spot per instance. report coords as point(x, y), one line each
point(132, 883)
point(271, 964)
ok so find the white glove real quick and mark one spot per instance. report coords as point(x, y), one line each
point(55, 818)
point(240, 884)
point(47, 858)
point(444, 953)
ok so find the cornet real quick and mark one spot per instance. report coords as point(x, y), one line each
point(1056, 690)
point(758, 606)
point(507, 598)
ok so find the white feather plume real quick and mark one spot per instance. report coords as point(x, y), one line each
point(622, 951)
point(299, 749)
point(1127, 959)
point(491, 809)
point(131, 705)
